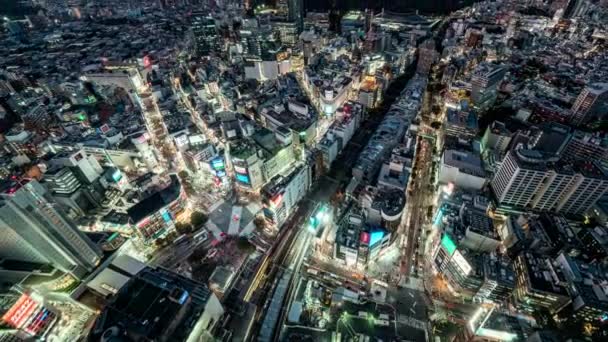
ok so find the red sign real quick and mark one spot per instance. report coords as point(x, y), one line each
point(364, 238)
point(147, 62)
point(20, 311)
point(276, 200)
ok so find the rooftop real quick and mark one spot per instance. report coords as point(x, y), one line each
point(156, 201)
point(154, 305)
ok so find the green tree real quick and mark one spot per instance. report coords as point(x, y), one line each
point(160, 242)
point(259, 222)
point(244, 245)
point(183, 175)
point(197, 219)
point(183, 228)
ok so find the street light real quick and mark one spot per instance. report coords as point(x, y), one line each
point(371, 319)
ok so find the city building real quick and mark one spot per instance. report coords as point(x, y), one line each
point(463, 169)
point(27, 314)
point(529, 179)
point(256, 161)
point(383, 207)
point(479, 233)
point(499, 279)
point(86, 167)
point(357, 243)
point(595, 241)
point(461, 123)
point(296, 13)
point(157, 304)
point(586, 146)
point(427, 56)
point(155, 215)
point(35, 230)
point(591, 104)
point(282, 193)
point(496, 137)
point(67, 189)
point(491, 325)
point(352, 21)
point(395, 172)
point(461, 269)
point(540, 285)
point(587, 287)
point(484, 84)
point(206, 37)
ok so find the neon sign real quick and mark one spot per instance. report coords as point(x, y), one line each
point(448, 244)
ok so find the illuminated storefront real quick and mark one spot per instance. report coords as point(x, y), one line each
point(155, 216)
point(29, 315)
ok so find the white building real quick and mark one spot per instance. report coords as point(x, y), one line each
point(463, 169)
point(281, 195)
point(526, 179)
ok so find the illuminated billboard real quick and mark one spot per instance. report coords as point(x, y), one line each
point(116, 175)
point(364, 238)
point(20, 312)
point(448, 244)
point(376, 237)
point(239, 169)
point(276, 200)
point(218, 164)
point(166, 216)
point(243, 178)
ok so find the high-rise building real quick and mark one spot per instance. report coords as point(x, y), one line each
point(576, 8)
point(156, 305)
point(281, 194)
point(34, 230)
point(538, 284)
point(588, 146)
point(287, 31)
point(206, 37)
point(427, 55)
point(296, 13)
point(592, 103)
point(484, 84)
point(84, 166)
point(527, 179)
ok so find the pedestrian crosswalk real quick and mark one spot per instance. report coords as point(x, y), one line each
point(411, 322)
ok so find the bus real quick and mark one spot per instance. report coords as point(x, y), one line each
point(201, 236)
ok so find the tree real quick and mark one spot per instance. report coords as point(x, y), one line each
point(183, 228)
point(244, 245)
point(183, 175)
point(160, 242)
point(259, 222)
point(197, 219)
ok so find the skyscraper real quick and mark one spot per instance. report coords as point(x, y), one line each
point(296, 13)
point(33, 229)
point(589, 103)
point(485, 82)
point(206, 38)
point(528, 179)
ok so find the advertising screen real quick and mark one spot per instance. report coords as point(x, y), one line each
point(242, 178)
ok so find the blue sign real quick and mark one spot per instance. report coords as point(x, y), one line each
point(166, 216)
point(242, 178)
point(376, 237)
point(184, 297)
point(218, 164)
